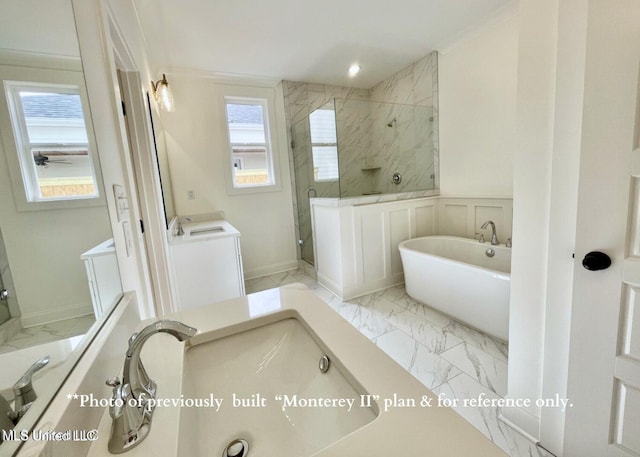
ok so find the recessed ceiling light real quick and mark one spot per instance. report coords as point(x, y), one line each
point(354, 69)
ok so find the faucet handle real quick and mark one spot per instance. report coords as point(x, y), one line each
point(118, 397)
point(113, 381)
point(24, 383)
point(481, 238)
point(23, 389)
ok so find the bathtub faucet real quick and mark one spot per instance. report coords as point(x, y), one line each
point(494, 237)
point(133, 399)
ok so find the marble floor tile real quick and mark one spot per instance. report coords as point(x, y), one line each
point(430, 334)
point(431, 369)
point(258, 284)
point(484, 368)
point(485, 418)
point(400, 347)
point(54, 331)
point(373, 319)
point(498, 349)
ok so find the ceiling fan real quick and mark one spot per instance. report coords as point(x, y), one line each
point(43, 161)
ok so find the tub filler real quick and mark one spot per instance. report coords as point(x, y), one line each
point(461, 277)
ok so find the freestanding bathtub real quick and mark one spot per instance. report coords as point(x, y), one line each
point(456, 276)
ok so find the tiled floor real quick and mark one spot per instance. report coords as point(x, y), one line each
point(448, 357)
point(54, 331)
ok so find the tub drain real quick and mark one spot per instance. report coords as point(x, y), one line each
point(236, 448)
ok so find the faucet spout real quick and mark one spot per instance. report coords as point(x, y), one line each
point(134, 373)
point(132, 408)
point(180, 230)
point(494, 237)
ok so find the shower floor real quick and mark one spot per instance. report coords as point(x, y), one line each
point(47, 333)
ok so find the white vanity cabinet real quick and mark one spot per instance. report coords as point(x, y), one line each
point(101, 265)
point(207, 263)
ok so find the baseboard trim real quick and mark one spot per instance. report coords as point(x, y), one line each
point(54, 315)
point(271, 269)
point(522, 422)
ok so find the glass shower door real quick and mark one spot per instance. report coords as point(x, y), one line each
point(4, 304)
point(302, 162)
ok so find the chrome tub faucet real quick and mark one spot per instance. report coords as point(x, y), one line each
point(180, 230)
point(494, 237)
point(131, 407)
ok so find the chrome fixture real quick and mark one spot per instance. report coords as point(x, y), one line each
point(163, 94)
point(392, 123)
point(180, 230)
point(131, 409)
point(324, 364)
point(490, 252)
point(236, 448)
point(396, 178)
point(4, 294)
point(494, 237)
point(23, 393)
point(508, 243)
point(480, 238)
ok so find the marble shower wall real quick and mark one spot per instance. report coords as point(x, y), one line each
point(362, 147)
point(8, 308)
point(300, 99)
point(410, 145)
point(355, 143)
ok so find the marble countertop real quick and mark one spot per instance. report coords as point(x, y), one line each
point(371, 199)
point(105, 248)
point(412, 431)
point(198, 230)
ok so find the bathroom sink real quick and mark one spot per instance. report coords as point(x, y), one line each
point(262, 368)
point(206, 230)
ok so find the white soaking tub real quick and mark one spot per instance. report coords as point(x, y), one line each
point(456, 276)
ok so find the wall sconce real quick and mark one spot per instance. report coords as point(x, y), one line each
point(163, 94)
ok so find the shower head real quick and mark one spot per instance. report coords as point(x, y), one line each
point(392, 123)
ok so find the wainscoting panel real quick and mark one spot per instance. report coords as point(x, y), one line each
point(463, 216)
point(357, 244)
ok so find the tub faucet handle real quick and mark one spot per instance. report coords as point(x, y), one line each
point(481, 237)
point(508, 243)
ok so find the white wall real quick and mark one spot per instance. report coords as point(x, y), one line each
point(477, 91)
point(44, 249)
point(197, 148)
point(531, 209)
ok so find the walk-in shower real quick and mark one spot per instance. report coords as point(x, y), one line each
point(9, 311)
point(349, 148)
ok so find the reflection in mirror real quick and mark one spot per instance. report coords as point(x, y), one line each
point(160, 146)
point(59, 274)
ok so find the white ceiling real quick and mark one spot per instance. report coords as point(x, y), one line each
point(304, 40)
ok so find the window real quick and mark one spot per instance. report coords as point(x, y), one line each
point(51, 139)
point(249, 141)
point(324, 145)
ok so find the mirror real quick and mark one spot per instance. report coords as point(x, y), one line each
point(57, 258)
point(160, 147)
